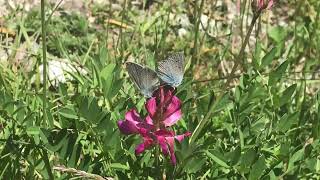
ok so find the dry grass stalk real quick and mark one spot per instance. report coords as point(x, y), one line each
point(80, 173)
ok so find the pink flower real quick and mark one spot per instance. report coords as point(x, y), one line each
point(164, 110)
point(164, 138)
point(265, 4)
point(164, 107)
point(133, 124)
point(258, 4)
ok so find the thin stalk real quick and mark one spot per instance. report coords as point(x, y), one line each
point(53, 11)
point(120, 38)
point(198, 12)
point(157, 155)
point(164, 34)
point(46, 160)
point(239, 58)
point(44, 60)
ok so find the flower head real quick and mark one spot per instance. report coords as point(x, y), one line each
point(264, 4)
point(259, 5)
point(164, 110)
point(164, 138)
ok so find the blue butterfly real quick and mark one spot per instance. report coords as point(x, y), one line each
point(171, 70)
point(145, 78)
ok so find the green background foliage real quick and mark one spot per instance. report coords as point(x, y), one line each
point(263, 124)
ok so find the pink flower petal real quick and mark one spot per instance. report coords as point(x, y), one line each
point(163, 144)
point(260, 4)
point(168, 95)
point(132, 115)
point(161, 95)
point(265, 4)
point(173, 112)
point(133, 123)
point(173, 118)
point(173, 106)
point(127, 127)
point(170, 141)
point(238, 6)
point(270, 4)
point(149, 120)
point(139, 149)
point(151, 106)
point(166, 141)
point(182, 136)
point(147, 143)
point(164, 132)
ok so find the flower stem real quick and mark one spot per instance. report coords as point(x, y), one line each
point(156, 154)
point(44, 59)
point(243, 47)
point(198, 12)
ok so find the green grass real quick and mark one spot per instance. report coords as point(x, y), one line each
point(255, 118)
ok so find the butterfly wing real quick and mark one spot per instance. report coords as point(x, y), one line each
point(145, 78)
point(171, 69)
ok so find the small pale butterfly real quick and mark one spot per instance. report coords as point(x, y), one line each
point(171, 70)
point(145, 78)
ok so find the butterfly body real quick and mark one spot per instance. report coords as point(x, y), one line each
point(145, 78)
point(171, 70)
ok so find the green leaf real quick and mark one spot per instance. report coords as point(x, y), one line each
point(268, 58)
point(147, 25)
point(43, 137)
point(33, 130)
point(235, 156)
point(224, 101)
point(89, 109)
point(68, 113)
point(74, 158)
point(147, 160)
point(287, 121)
point(276, 75)
point(119, 166)
point(103, 55)
point(96, 76)
point(195, 164)
point(107, 78)
point(61, 139)
point(257, 55)
point(217, 106)
point(284, 149)
point(107, 71)
point(77, 76)
point(237, 94)
point(258, 168)
point(294, 158)
point(217, 160)
point(287, 94)
point(64, 148)
point(248, 157)
point(277, 33)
